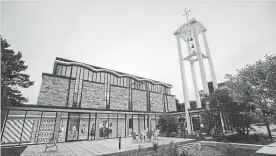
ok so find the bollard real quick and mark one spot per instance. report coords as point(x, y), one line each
point(120, 142)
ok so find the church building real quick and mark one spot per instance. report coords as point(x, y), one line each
point(78, 101)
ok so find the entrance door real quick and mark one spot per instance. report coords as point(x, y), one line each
point(77, 127)
point(73, 126)
point(83, 128)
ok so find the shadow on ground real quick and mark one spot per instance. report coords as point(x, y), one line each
point(12, 151)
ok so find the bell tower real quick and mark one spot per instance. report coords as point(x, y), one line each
point(190, 32)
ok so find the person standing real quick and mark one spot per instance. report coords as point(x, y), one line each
point(74, 131)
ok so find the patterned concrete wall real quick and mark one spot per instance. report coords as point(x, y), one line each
point(45, 130)
point(118, 98)
point(156, 102)
point(71, 93)
point(171, 103)
point(139, 100)
point(93, 95)
point(53, 91)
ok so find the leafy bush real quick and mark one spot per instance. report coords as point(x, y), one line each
point(168, 124)
point(154, 146)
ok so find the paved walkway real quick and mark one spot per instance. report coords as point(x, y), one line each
point(268, 149)
point(95, 147)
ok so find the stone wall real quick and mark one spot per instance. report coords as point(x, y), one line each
point(93, 95)
point(53, 91)
point(118, 98)
point(156, 102)
point(139, 100)
point(171, 103)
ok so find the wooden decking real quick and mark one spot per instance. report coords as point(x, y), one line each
point(98, 147)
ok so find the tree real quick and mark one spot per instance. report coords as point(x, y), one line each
point(240, 115)
point(168, 124)
point(12, 76)
point(180, 107)
point(256, 84)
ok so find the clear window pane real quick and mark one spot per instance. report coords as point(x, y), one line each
point(85, 74)
point(58, 70)
point(90, 78)
point(83, 128)
point(62, 127)
point(74, 72)
point(92, 127)
point(13, 127)
point(68, 71)
point(113, 125)
point(121, 125)
point(30, 127)
point(103, 126)
point(46, 126)
point(63, 71)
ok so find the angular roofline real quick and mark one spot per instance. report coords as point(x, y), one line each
point(121, 73)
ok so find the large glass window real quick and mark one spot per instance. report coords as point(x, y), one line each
point(30, 127)
point(113, 125)
point(73, 127)
point(74, 72)
point(68, 71)
point(152, 122)
point(90, 75)
point(62, 127)
point(136, 126)
point(46, 126)
point(83, 127)
point(85, 74)
point(92, 129)
point(103, 126)
point(13, 127)
point(121, 125)
point(63, 71)
point(129, 123)
point(58, 70)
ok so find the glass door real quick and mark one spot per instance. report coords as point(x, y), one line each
point(83, 128)
point(73, 126)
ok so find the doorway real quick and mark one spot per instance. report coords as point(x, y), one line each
point(77, 127)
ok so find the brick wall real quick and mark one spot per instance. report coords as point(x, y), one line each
point(118, 98)
point(156, 102)
point(171, 103)
point(139, 100)
point(53, 91)
point(93, 95)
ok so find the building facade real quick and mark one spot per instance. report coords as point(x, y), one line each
point(78, 101)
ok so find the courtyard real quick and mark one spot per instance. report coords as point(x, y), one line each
point(97, 147)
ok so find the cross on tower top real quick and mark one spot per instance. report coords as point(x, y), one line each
point(186, 14)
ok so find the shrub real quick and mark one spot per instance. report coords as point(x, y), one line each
point(154, 146)
point(167, 124)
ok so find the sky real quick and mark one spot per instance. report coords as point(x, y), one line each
point(136, 37)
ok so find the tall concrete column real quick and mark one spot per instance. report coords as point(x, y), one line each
point(198, 102)
point(184, 84)
point(210, 62)
point(200, 60)
point(222, 122)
